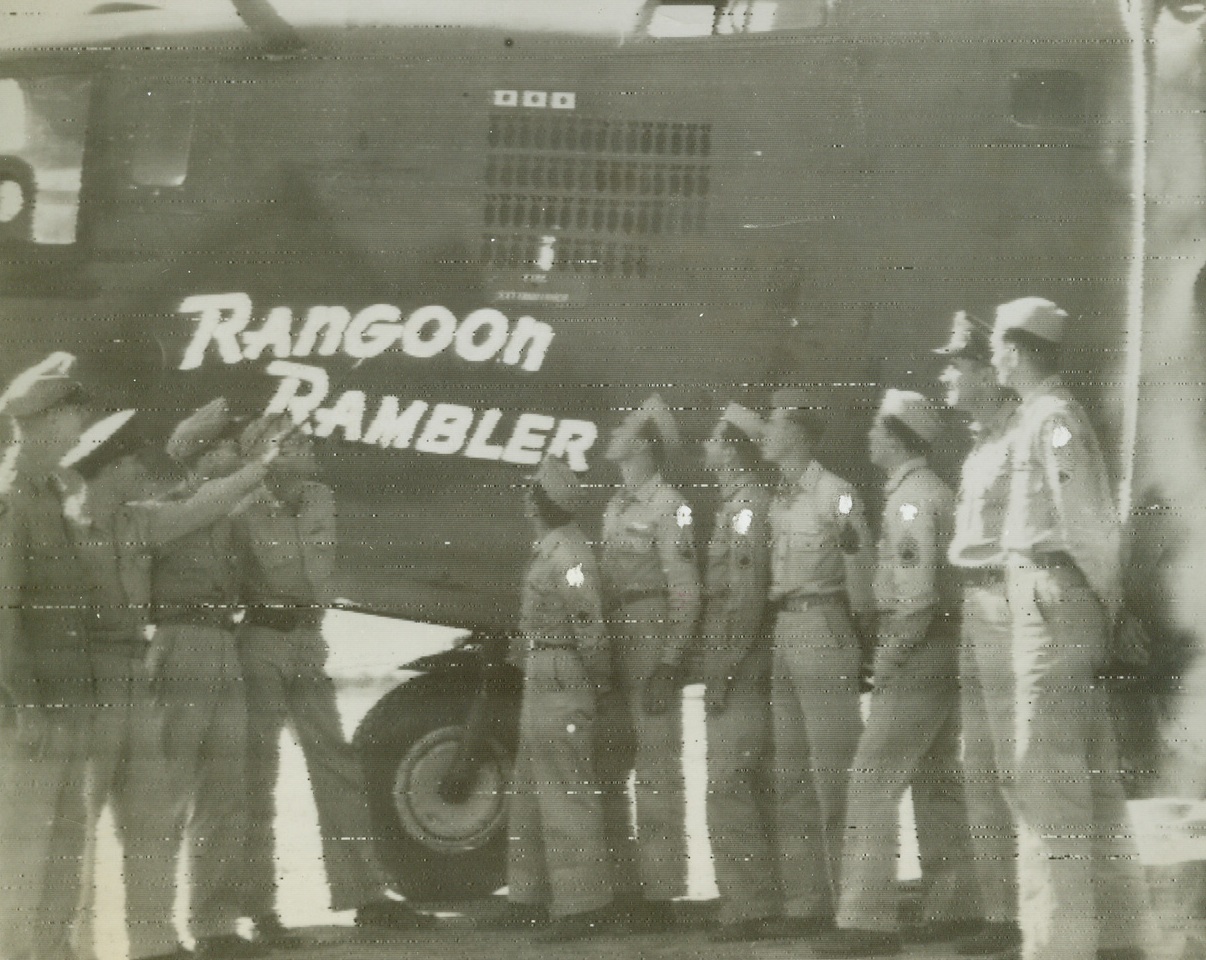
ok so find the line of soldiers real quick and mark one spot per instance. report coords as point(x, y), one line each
point(983, 614)
point(132, 684)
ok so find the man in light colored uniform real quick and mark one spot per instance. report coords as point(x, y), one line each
point(1081, 887)
point(558, 857)
point(45, 674)
point(986, 663)
point(286, 542)
point(912, 728)
point(735, 661)
point(115, 529)
point(651, 597)
point(821, 564)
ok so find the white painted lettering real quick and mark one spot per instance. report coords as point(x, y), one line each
point(446, 429)
point(416, 343)
point(571, 441)
point(490, 322)
point(530, 335)
point(391, 428)
point(287, 399)
point(220, 318)
point(348, 413)
point(374, 331)
point(479, 447)
point(277, 333)
point(528, 440)
point(331, 322)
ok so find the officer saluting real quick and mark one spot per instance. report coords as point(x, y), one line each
point(651, 597)
point(45, 674)
point(558, 857)
point(1061, 535)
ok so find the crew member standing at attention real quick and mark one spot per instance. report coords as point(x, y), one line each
point(912, 731)
point(821, 565)
point(651, 598)
point(735, 660)
point(1079, 876)
point(45, 675)
point(558, 858)
point(286, 541)
point(985, 665)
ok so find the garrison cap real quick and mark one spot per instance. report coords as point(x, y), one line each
point(801, 406)
point(917, 412)
point(652, 413)
point(745, 420)
point(43, 386)
point(105, 442)
point(970, 339)
point(559, 483)
point(200, 430)
point(1034, 315)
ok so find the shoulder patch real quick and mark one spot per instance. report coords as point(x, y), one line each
point(908, 552)
point(1060, 436)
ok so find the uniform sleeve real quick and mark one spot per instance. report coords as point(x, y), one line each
point(316, 529)
point(915, 538)
point(1084, 509)
point(858, 551)
point(676, 549)
point(168, 520)
point(578, 587)
point(16, 675)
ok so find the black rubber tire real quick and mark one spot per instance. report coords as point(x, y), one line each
point(433, 850)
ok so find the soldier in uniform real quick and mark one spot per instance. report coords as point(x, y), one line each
point(115, 529)
point(821, 565)
point(986, 667)
point(1080, 880)
point(286, 541)
point(912, 728)
point(558, 857)
point(735, 661)
point(651, 597)
point(45, 674)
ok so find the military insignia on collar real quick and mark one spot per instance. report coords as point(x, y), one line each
point(908, 551)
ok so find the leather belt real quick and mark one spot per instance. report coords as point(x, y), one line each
point(981, 576)
point(799, 602)
point(534, 645)
point(198, 616)
point(282, 619)
point(625, 597)
point(1047, 561)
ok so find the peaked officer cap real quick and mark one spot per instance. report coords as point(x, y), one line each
point(200, 430)
point(103, 443)
point(970, 339)
point(1036, 316)
point(917, 412)
point(560, 483)
point(745, 420)
point(43, 386)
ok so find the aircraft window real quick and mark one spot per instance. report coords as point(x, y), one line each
point(690, 18)
point(43, 122)
point(162, 137)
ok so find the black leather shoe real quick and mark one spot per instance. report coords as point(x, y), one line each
point(394, 914)
point(940, 931)
point(577, 926)
point(745, 931)
point(517, 916)
point(270, 932)
point(229, 946)
point(993, 937)
point(849, 942)
point(798, 928)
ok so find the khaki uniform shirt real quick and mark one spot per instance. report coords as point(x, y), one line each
point(288, 549)
point(912, 583)
point(1059, 498)
point(562, 605)
point(983, 495)
point(738, 577)
point(648, 547)
point(821, 544)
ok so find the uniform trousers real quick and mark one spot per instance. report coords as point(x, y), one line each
point(986, 672)
point(557, 855)
point(816, 722)
point(911, 737)
point(287, 683)
point(200, 686)
point(1080, 880)
point(630, 738)
point(43, 835)
point(740, 802)
point(128, 771)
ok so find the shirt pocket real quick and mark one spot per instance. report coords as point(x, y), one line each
point(638, 537)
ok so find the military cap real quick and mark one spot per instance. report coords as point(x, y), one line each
point(917, 412)
point(1034, 315)
point(652, 413)
point(43, 386)
point(970, 339)
point(801, 406)
point(745, 420)
point(559, 483)
point(103, 443)
point(200, 430)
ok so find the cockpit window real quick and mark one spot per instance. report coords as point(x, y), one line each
point(687, 18)
point(161, 137)
point(43, 123)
